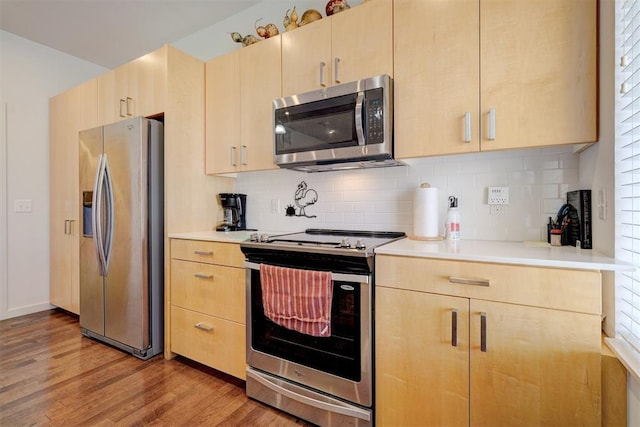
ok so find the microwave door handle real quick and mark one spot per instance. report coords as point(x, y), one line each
point(358, 118)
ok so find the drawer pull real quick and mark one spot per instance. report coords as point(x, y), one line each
point(203, 327)
point(463, 281)
point(207, 253)
point(454, 327)
point(483, 332)
point(203, 276)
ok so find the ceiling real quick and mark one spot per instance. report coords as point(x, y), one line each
point(112, 32)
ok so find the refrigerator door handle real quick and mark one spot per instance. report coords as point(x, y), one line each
point(96, 226)
point(108, 186)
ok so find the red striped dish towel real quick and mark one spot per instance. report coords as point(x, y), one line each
point(299, 300)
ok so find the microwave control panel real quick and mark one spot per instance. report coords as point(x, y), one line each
point(374, 116)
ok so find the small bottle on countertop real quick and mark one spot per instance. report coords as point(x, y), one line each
point(452, 226)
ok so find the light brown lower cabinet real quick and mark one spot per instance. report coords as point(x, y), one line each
point(207, 304)
point(487, 358)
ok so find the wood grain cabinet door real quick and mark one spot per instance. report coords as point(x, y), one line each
point(533, 366)
point(223, 113)
point(436, 77)
point(306, 58)
point(362, 42)
point(70, 112)
point(422, 359)
point(539, 72)
point(260, 84)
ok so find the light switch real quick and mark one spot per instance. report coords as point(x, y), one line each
point(22, 206)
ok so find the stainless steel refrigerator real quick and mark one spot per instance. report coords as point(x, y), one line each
point(122, 243)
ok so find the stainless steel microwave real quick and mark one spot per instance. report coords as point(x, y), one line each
point(339, 127)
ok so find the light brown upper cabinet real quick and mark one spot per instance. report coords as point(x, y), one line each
point(350, 45)
point(70, 112)
point(493, 74)
point(137, 88)
point(240, 89)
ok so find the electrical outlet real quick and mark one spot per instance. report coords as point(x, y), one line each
point(602, 204)
point(275, 206)
point(22, 206)
point(498, 195)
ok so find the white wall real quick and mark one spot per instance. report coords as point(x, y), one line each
point(30, 74)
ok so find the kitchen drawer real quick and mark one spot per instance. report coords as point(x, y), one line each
point(209, 340)
point(210, 289)
point(562, 289)
point(208, 252)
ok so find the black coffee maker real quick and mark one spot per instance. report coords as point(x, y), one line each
point(234, 207)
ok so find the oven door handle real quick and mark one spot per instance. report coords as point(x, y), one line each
point(350, 411)
point(336, 277)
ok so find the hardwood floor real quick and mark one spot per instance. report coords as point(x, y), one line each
point(51, 375)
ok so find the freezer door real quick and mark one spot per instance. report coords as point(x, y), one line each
point(126, 288)
point(91, 284)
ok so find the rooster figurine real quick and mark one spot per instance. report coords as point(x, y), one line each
point(305, 197)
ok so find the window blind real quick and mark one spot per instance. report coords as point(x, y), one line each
point(627, 170)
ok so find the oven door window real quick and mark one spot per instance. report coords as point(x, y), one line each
point(338, 354)
point(320, 125)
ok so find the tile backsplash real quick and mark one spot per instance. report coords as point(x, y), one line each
point(382, 199)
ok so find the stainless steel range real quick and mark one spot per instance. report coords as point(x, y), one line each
point(326, 380)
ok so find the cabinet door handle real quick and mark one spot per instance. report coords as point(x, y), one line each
point(66, 227)
point(492, 124)
point(483, 332)
point(467, 127)
point(336, 61)
point(322, 65)
point(207, 253)
point(463, 281)
point(122, 104)
point(454, 327)
point(204, 276)
point(71, 222)
point(232, 156)
point(243, 155)
point(203, 327)
point(129, 106)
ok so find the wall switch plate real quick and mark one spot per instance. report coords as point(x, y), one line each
point(602, 204)
point(498, 195)
point(22, 206)
point(275, 206)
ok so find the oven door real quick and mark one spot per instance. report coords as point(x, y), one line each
point(339, 365)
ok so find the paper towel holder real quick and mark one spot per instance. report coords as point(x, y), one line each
point(425, 238)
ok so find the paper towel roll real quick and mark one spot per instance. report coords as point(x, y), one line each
point(425, 212)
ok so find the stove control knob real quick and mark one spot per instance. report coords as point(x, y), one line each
point(264, 237)
point(345, 243)
point(253, 237)
point(360, 244)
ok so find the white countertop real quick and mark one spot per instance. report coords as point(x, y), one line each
point(521, 253)
point(222, 236)
point(214, 236)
